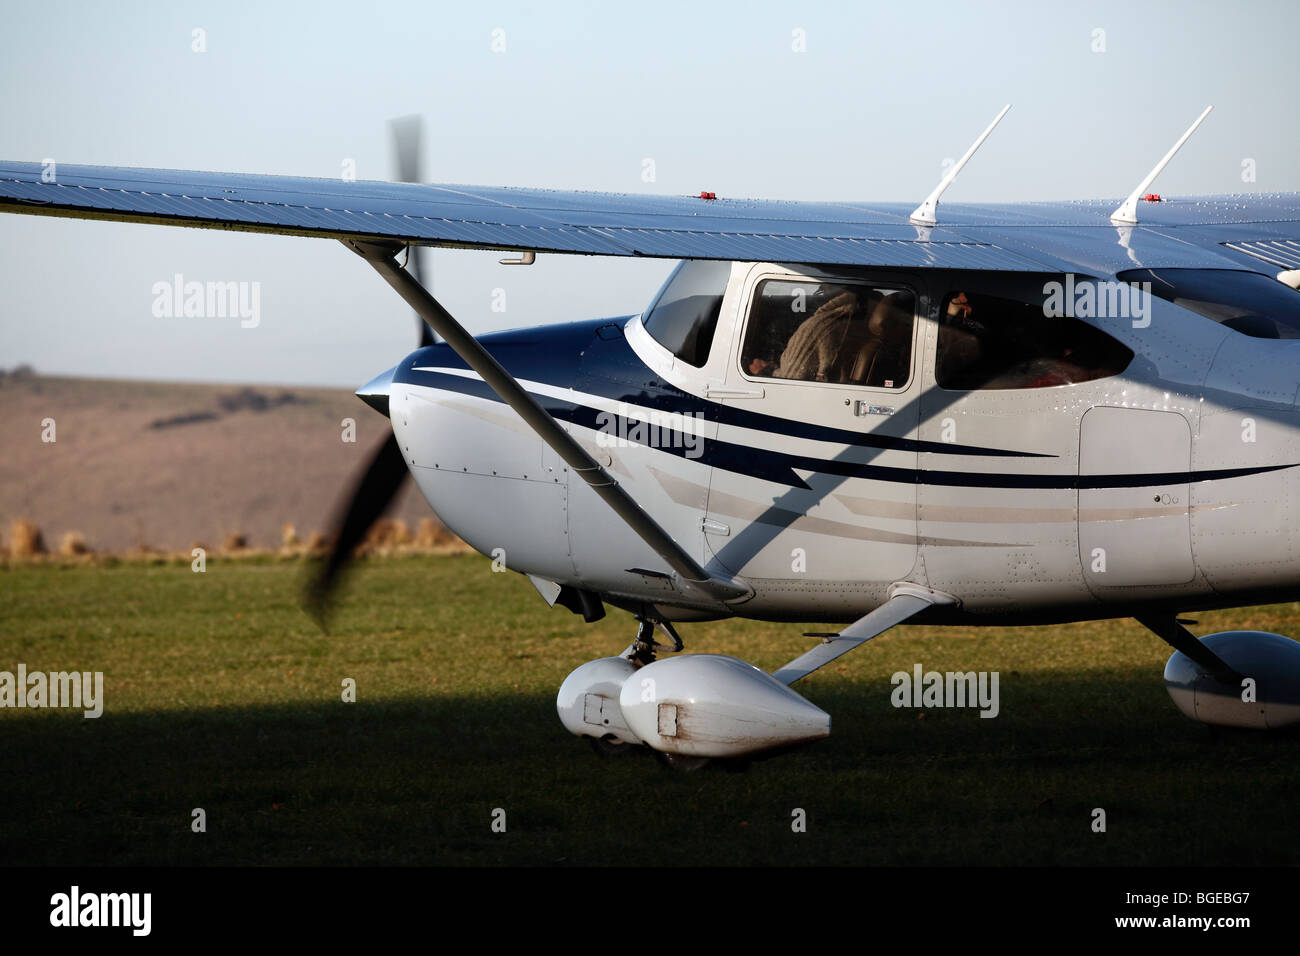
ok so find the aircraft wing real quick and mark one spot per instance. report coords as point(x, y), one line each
point(606, 224)
point(1206, 231)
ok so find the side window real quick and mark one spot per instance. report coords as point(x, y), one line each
point(685, 311)
point(846, 334)
point(990, 342)
point(1252, 304)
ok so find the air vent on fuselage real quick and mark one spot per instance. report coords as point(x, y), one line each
point(1283, 253)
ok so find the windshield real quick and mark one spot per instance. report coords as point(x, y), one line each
point(685, 312)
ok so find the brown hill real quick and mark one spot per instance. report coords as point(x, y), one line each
point(171, 465)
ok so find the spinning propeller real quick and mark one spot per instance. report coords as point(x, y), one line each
point(407, 136)
point(384, 476)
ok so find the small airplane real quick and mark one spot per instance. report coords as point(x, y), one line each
point(863, 413)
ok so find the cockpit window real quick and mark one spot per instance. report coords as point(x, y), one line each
point(685, 311)
point(1253, 304)
point(991, 342)
point(846, 334)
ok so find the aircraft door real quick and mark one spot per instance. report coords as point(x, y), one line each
point(814, 476)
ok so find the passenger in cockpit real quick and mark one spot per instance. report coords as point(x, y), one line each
point(959, 342)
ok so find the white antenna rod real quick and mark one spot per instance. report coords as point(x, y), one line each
point(923, 215)
point(1127, 212)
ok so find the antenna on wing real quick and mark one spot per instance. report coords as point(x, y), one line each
point(923, 215)
point(1127, 212)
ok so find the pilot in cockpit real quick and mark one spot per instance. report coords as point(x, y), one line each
point(856, 336)
point(815, 350)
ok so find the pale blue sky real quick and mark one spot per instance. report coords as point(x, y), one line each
point(713, 93)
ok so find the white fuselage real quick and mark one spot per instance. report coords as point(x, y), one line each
point(1167, 485)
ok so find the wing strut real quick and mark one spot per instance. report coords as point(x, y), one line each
point(905, 600)
point(382, 256)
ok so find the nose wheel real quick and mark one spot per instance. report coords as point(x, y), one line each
point(680, 762)
point(691, 710)
point(642, 652)
point(610, 747)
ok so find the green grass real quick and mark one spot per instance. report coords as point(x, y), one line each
point(221, 694)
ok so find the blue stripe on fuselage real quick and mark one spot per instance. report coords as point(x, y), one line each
point(593, 357)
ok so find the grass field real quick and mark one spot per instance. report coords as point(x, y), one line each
point(221, 694)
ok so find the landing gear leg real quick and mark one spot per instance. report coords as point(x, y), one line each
point(642, 651)
point(1170, 629)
